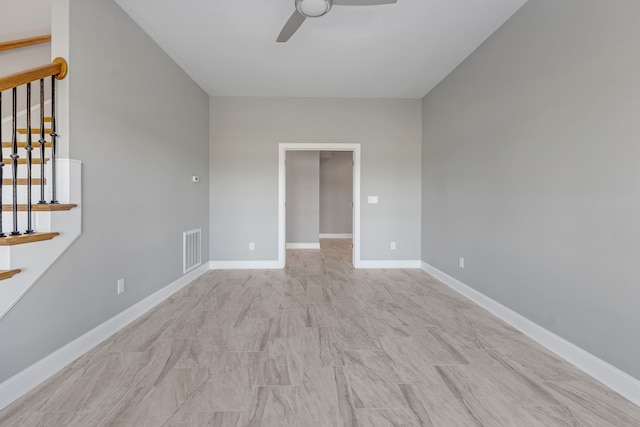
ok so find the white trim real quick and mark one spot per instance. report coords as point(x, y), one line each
point(400, 263)
point(336, 236)
point(282, 189)
point(60, 47)
point(244, 265)
point(303, 245)
point(612, 377)
point(42, 258)
point(24, 381)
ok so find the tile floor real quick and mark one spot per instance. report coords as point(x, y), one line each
point(320, 344)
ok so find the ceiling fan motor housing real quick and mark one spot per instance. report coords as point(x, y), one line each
point(313, 8)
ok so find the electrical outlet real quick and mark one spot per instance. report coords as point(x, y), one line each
point(120, 286)
point(393, 246)
point(461, 262)
point(252, 246)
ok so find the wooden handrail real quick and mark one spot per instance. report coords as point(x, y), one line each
point(57, 68)
point(15, 44)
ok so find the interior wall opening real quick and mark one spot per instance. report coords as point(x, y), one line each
point(319, 197)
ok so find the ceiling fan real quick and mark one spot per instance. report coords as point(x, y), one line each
point(316, 8)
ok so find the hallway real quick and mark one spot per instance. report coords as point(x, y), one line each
point(319, 344)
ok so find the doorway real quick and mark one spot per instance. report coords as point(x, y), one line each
point(282, 184)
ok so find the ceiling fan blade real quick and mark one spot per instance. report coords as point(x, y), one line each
point(291, 27)
point(362, 2)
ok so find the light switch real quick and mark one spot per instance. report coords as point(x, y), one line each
point(373, 199)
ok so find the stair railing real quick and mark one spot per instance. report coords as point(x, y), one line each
point(1, 168)
point(15, 44)
point(57, 70)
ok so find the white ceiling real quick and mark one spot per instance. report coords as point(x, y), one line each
point(400, 50)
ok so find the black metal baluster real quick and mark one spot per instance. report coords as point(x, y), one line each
point(43, 143)
point(14, 159)
point(29, 160)
point(54, 140)
point(1, 169)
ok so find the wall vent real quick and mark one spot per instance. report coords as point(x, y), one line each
point(191, 250)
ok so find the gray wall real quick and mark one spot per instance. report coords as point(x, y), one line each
point(140, 127)
point(531, 172)
point(19, 20)
point(14, 61)
point(336, 192)
point(25, 18)
point(303, 197)
point(245, 133)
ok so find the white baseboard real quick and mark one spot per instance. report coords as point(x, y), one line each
point(388, 264)
point(24, 381)
point(336, 236)
point(245, 265)
point(303, 245)
point(612, 377)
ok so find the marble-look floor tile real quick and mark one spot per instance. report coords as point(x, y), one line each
point(154, 406)
point(542, 416)
point(319, 344)
point(319, 348)
point(411, 364)
point(372, 380)
point(593, 404)
point(276, 406)
point(346, 404)
point(43, 419)
point(528, 356)
point(319, 394)
point(226, 388)
point(435, 403)
point(200, 419)
point(391, 417)
point(481, 406)
point(251, 335)
point(416, 406)
point(383, 323)
point(278, 364)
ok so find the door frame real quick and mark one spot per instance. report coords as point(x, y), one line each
point(282, 192)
